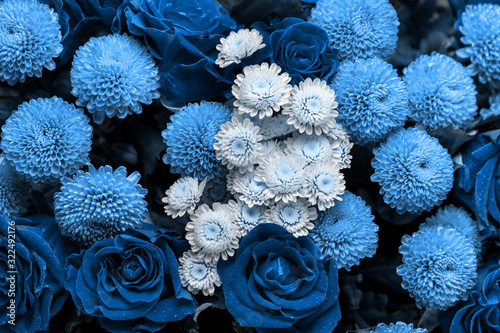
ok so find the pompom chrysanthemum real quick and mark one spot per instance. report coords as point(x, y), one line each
point(46, 139)
point(238, 145)
point(312, 148)
point(414, 171)
point(295, 217)
point(398, 327)
point(358, 28)
point(324, 183)
point(441, 92)
point(312, 107)
point(373, 100)
point(197, 274)
point(283, 176)
point(190, 138)
point(248, 188)
point(238, 46)
point(112, 75)
point(14, 191)
point(30, 37)
point(261, 90)
point(183, 195)
point(247, 217)
point(213, 233)
point(99, 204)
point(458, 218)
point(439, 266)
point(480, 27)
point(346, 232)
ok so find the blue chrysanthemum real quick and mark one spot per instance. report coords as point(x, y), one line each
point(461, 220)
point(372, 98)
point(414, 171)
point(439, 266)
point(398, 327)
point(14, 191)
point(358, 28)
point(190, 138)
point(30, 37)
point(441, 92)
point(112, 75)
point(346, 232)
point(99, 204)
point(46, 139)
point(480, 27)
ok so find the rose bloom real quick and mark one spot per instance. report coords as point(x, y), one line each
point(277, 281)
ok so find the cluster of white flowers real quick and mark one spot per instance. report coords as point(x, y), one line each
point(284, 153)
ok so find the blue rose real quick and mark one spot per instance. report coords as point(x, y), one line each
point(131, 282)
point(481, 312)
point(37, 290)
point(477, 183)
point(300, 49)
point(276, 282)
point(183, 36)
point(110, 12)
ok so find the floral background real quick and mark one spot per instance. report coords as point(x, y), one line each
point(427, 66)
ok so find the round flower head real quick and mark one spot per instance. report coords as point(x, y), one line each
point(324, 183)
point(358, 28)
point(46, 139)
point(248, 188)
point(312, 148)
point(414, 171)
point(458, 218)
point(30, 36)
point(237, 145)
point(346, 232)
point(283, 176)
point(212, 233)
point(112, 75)
point(441, 92)
point(190, 138)
point(238, 46)
point(197, 274)
point(247, 217)
point(99, 204)
point(261, 89)
point(439, 266)
point(295, 217)
point(311, 107)
point(398, 327)
point(183, 196)
point(480, 27)
point(14, 191)
point(372, 98)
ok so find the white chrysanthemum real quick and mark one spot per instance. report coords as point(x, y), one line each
point(238, 46)
point(283, 176)
point(212, 233)
point(247, 188)
point(338, 132)
point(261, 89)
point(198, 275)
point(183, 196)
point(324, 184)
point(276, 127)
point(247, 217)
point(271, 147)
point(312, 107)
point(313, 148)
point(341, 153)
point(296, 217)
point(237, 145)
